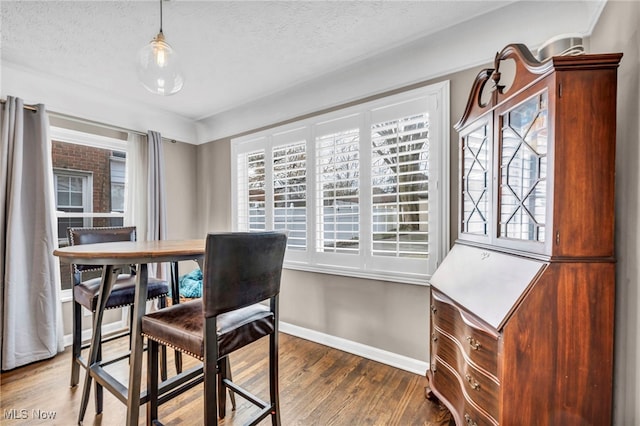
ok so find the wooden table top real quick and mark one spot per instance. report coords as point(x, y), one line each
point(132, 252)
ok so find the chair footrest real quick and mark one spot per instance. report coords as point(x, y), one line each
point(183, 382)
point(109, 338)
point(176, 385)
point(245, 394)
point(83, 362)
point(267, 408)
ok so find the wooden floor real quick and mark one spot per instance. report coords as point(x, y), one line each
point(318, 386)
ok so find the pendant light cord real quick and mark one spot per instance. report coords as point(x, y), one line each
point(160, 16)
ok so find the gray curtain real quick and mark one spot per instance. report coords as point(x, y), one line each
point(156, 197)
point(136, 187)
point(31, 314)
point(146, 195)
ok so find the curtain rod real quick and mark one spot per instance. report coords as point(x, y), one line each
point(25, 106)
point(86, 121)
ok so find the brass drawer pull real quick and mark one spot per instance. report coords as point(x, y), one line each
point(475, 345)
point(434, 337)
point(434, 309)
point(474, 385)
point(469, 420)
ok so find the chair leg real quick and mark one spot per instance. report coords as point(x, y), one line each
point(210, 372)
point(178, 361)
point(222, 395)
point(130, 326)
point(210, 394)
point(227, 374)
point(273, 378)
point(224, 372)
point(162, 303)
point(76, 344)
point(152, 381)
point(98, 387)
point(175, 299)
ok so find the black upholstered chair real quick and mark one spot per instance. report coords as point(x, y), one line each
point(240, 271)
point(85, 294)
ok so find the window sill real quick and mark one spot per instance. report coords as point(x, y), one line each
point(413, 279)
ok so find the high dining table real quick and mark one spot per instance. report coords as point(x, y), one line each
point(110, 256)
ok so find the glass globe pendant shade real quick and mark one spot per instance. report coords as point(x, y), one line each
point(158, 69)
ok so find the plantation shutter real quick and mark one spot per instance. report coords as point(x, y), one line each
point(290, 192)
point(361, 191)
point(399, 186)
point(337, 186)
point(251, 182)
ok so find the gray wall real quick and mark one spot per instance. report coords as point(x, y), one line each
point(618, 30)
point(181, 180)
point(394, 317)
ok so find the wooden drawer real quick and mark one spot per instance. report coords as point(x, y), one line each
point(479, 347)
point(472, 417)
point(446, 381)
point(480, 387)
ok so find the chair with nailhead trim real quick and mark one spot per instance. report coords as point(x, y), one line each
point(241, 270)
point(85, 294)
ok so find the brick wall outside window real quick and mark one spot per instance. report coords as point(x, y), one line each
point(87, 158)
point(82, 158)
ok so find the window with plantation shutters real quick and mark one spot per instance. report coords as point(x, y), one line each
point(290, 193)
point(362, 191)
point(251, 201)
point(399, 187)
point(337, 192)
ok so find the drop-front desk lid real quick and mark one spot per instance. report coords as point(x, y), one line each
point(487, 283)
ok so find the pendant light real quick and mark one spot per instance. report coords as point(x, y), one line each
point(158, 68)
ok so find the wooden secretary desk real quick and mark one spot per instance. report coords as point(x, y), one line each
point(522, 308)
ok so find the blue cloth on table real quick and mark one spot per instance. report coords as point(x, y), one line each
point(190, 285)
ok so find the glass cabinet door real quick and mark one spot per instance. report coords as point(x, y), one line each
point(476, 180)
point(523, 170)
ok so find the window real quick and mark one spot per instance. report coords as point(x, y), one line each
point(89, 180)
point(400, 186)
point(362, 191)
point(73, 195)
point(118, 170)
point(337, 192)
point(290, 192)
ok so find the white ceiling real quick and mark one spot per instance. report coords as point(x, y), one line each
point(232, 52)
point(239, 53)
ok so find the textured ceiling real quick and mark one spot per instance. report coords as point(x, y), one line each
point(232, 52)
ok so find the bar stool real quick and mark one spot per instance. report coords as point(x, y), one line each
point(85, 294)
point(240, 271)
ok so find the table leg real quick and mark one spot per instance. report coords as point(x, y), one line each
point(135, 362)
point(105, 290)
point(175, 283)
point(175, 295)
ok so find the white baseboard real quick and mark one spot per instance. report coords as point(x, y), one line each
point(365, 351)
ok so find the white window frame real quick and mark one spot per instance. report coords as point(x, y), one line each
point(117, 160)
point(87, 139)
point(435, 99)
point(96, 141)
point(87, 197)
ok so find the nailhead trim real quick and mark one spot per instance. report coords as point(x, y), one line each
point(72, 241)
point(172, 346)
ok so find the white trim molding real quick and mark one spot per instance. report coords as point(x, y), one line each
point(375, 354)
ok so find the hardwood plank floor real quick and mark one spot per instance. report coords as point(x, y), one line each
point(318, 386)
